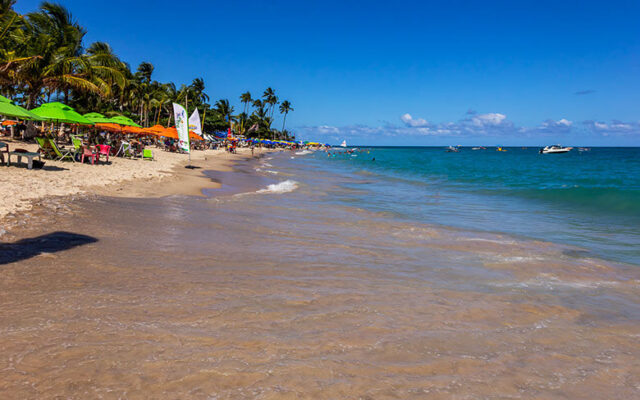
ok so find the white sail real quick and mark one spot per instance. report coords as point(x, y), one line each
point(343, 144)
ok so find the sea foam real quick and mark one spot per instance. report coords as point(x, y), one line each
point(282, 187)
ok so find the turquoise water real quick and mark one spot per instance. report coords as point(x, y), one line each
point(589, 199)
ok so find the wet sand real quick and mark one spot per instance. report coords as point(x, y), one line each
point(275, 296)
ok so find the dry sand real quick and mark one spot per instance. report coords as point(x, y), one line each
point(120, 177)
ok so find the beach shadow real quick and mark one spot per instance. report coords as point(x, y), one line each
point(49, 243)
point(53, 168)
point(192, 167)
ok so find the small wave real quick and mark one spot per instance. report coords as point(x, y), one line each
point(282, 187)
point(303, 152)
point(266, 164)
point(272, 172)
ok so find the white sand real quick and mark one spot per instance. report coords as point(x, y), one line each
point(20, 186)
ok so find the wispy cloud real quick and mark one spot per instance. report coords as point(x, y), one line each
point(584, 92)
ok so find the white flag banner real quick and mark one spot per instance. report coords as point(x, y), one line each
point(194, 123)
point(182, 126)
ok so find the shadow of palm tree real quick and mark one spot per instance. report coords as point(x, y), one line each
point(49, 243)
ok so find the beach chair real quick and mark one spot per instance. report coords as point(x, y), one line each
point(4, 149)
point(147, 154)
point(44, 148)
point(103, 150)
point(125, 149)
point(61, 153)
point(88, 153)
point(77, 143)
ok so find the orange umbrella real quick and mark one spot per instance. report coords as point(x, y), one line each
point(109, 127)
point(195, 136)
point(154, 130)
point(132, 129)
point(170, 133)
point(9, 123)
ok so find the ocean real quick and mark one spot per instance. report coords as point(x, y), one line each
point(420, 274)
point(589, 198)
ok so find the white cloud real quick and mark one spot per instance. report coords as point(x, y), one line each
point(324, 129)
point(475, 125)
point(600, 125)
point(490, 119)
point(409, 121)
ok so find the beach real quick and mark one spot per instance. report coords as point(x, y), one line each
point(118, 177)
point(272, 283)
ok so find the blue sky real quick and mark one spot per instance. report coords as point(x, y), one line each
point(421, 73)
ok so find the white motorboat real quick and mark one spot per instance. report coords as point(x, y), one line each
point(555, 149)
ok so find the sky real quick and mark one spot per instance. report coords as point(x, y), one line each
point(399, 73)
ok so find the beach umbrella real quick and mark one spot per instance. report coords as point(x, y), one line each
point(122, 120)
point(109, 127)
point(170, 133)
point(9, 109)
point(154, 130)
point(195, 136)
point(58, 112)
point(97, 118)
point(133, 129)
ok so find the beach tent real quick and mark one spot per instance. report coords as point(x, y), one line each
point(9, 109)
point(124, 121)
point(58, 112)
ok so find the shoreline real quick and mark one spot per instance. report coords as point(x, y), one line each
point(165, 176)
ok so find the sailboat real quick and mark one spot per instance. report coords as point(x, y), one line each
point(343, 144)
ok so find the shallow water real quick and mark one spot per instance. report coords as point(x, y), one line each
point(304, 291)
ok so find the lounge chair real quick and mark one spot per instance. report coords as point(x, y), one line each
point(125, 149)
point(45, 149)
point(147, 154)
point(4, 149)
point(77, 143)
point(61, 153)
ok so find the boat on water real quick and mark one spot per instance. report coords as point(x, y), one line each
point(343, 144)
point(452, 149)
point(479, 148)
point(555, 149)
point(501, 149)
point(584, 149)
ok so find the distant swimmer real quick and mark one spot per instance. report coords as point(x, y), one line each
point(373, 159)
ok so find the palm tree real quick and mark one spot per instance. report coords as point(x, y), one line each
point(145, 70)
point(245, 98)
point(285, 108)
point(197, 91)
point(224, 109)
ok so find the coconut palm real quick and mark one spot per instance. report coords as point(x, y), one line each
point(224, 109)
point(285, 108)
point(245, 98)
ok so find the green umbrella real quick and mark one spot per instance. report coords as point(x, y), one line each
point(11, 110)
point(122, 120)
point(59, 112)
point(97, 118)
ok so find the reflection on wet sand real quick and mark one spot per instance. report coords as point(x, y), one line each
point(272, 296)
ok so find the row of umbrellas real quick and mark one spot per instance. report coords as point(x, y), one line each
point(59, 112)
